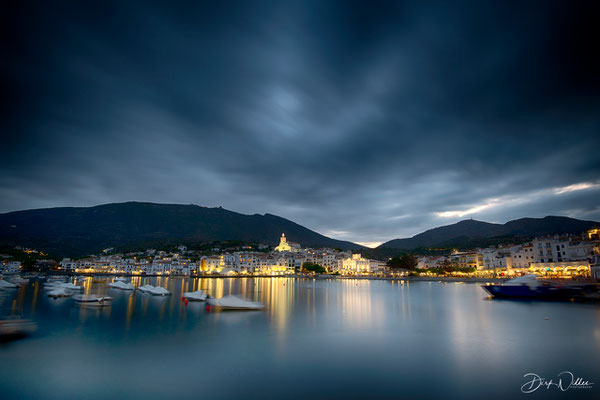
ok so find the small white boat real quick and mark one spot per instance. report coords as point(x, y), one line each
point(121, 285)
point(158, 291)
point(91, 299)
point(198, 295)
point(145, 288)
point(234, 303)
point(59, 292)
point(70, 286)
point(120, 278)
point(7, 285)
point(62, 285)
point(19, 280)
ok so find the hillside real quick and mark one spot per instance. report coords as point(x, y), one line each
point(472, 233)
point(75, 231)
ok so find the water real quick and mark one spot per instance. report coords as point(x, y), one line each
point(317, 339)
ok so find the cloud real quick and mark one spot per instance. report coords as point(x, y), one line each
point(365, 123)
point(576, 186)
point(470, 211)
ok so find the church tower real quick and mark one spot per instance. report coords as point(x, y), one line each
point(283, 244)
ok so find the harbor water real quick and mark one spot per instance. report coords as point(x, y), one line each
point(316, 338)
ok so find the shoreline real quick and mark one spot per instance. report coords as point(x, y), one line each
point(434, 279)
point(318, 277)
point(466, 279)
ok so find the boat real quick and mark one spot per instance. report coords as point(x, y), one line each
point(16, 328)
point(234, 303)
point(59, 292)
point(158, 291)
point(7, 285)
point(145, 288)
point(62, 285)
point(19, 280)
point(121, 285)
point(154, 290)
point(198, 295)
point(530, 287)
point(120, 278)
point(70, 286)
point(92, 299)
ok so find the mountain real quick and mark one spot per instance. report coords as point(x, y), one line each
point(472, 233)
point(76, 231)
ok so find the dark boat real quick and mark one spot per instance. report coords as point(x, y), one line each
point(529, 287)
point(14, 328)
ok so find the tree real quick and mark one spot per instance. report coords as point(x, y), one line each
point(316, 268)
point(405, 261)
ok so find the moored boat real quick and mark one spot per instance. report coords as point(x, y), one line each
point(530, 287)
point(59, 292)
point(121, 285)
point(92, 299)
point(62, 285)
point(145, 288)
point(16, 328)
point(158, 291)
point(234, 303)
point(70, 286)
point(7, 285)
point(198, 295)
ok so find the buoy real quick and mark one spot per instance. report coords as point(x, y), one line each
point(186, 302)
point(207, 308)
point(182, 298)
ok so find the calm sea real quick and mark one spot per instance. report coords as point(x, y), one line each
point(317, 339)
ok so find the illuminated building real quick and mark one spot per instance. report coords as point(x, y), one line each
point(284, 245)
point(562, 269)
point(10, 267)
point(355, 265)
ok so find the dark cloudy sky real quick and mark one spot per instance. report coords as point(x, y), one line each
point(364, 120)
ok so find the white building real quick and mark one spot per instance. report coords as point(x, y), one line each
point(211, 264)
point(284, 245)
point(595, 267)
point(69, 265)
point(11, 267)
point(492, 259)
point(355, 265)
point(582, 250)
point(522, 256)
point(428, 262)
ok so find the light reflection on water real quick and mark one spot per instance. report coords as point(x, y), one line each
point(317, 338)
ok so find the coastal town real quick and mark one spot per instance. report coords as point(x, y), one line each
point(558, 256)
